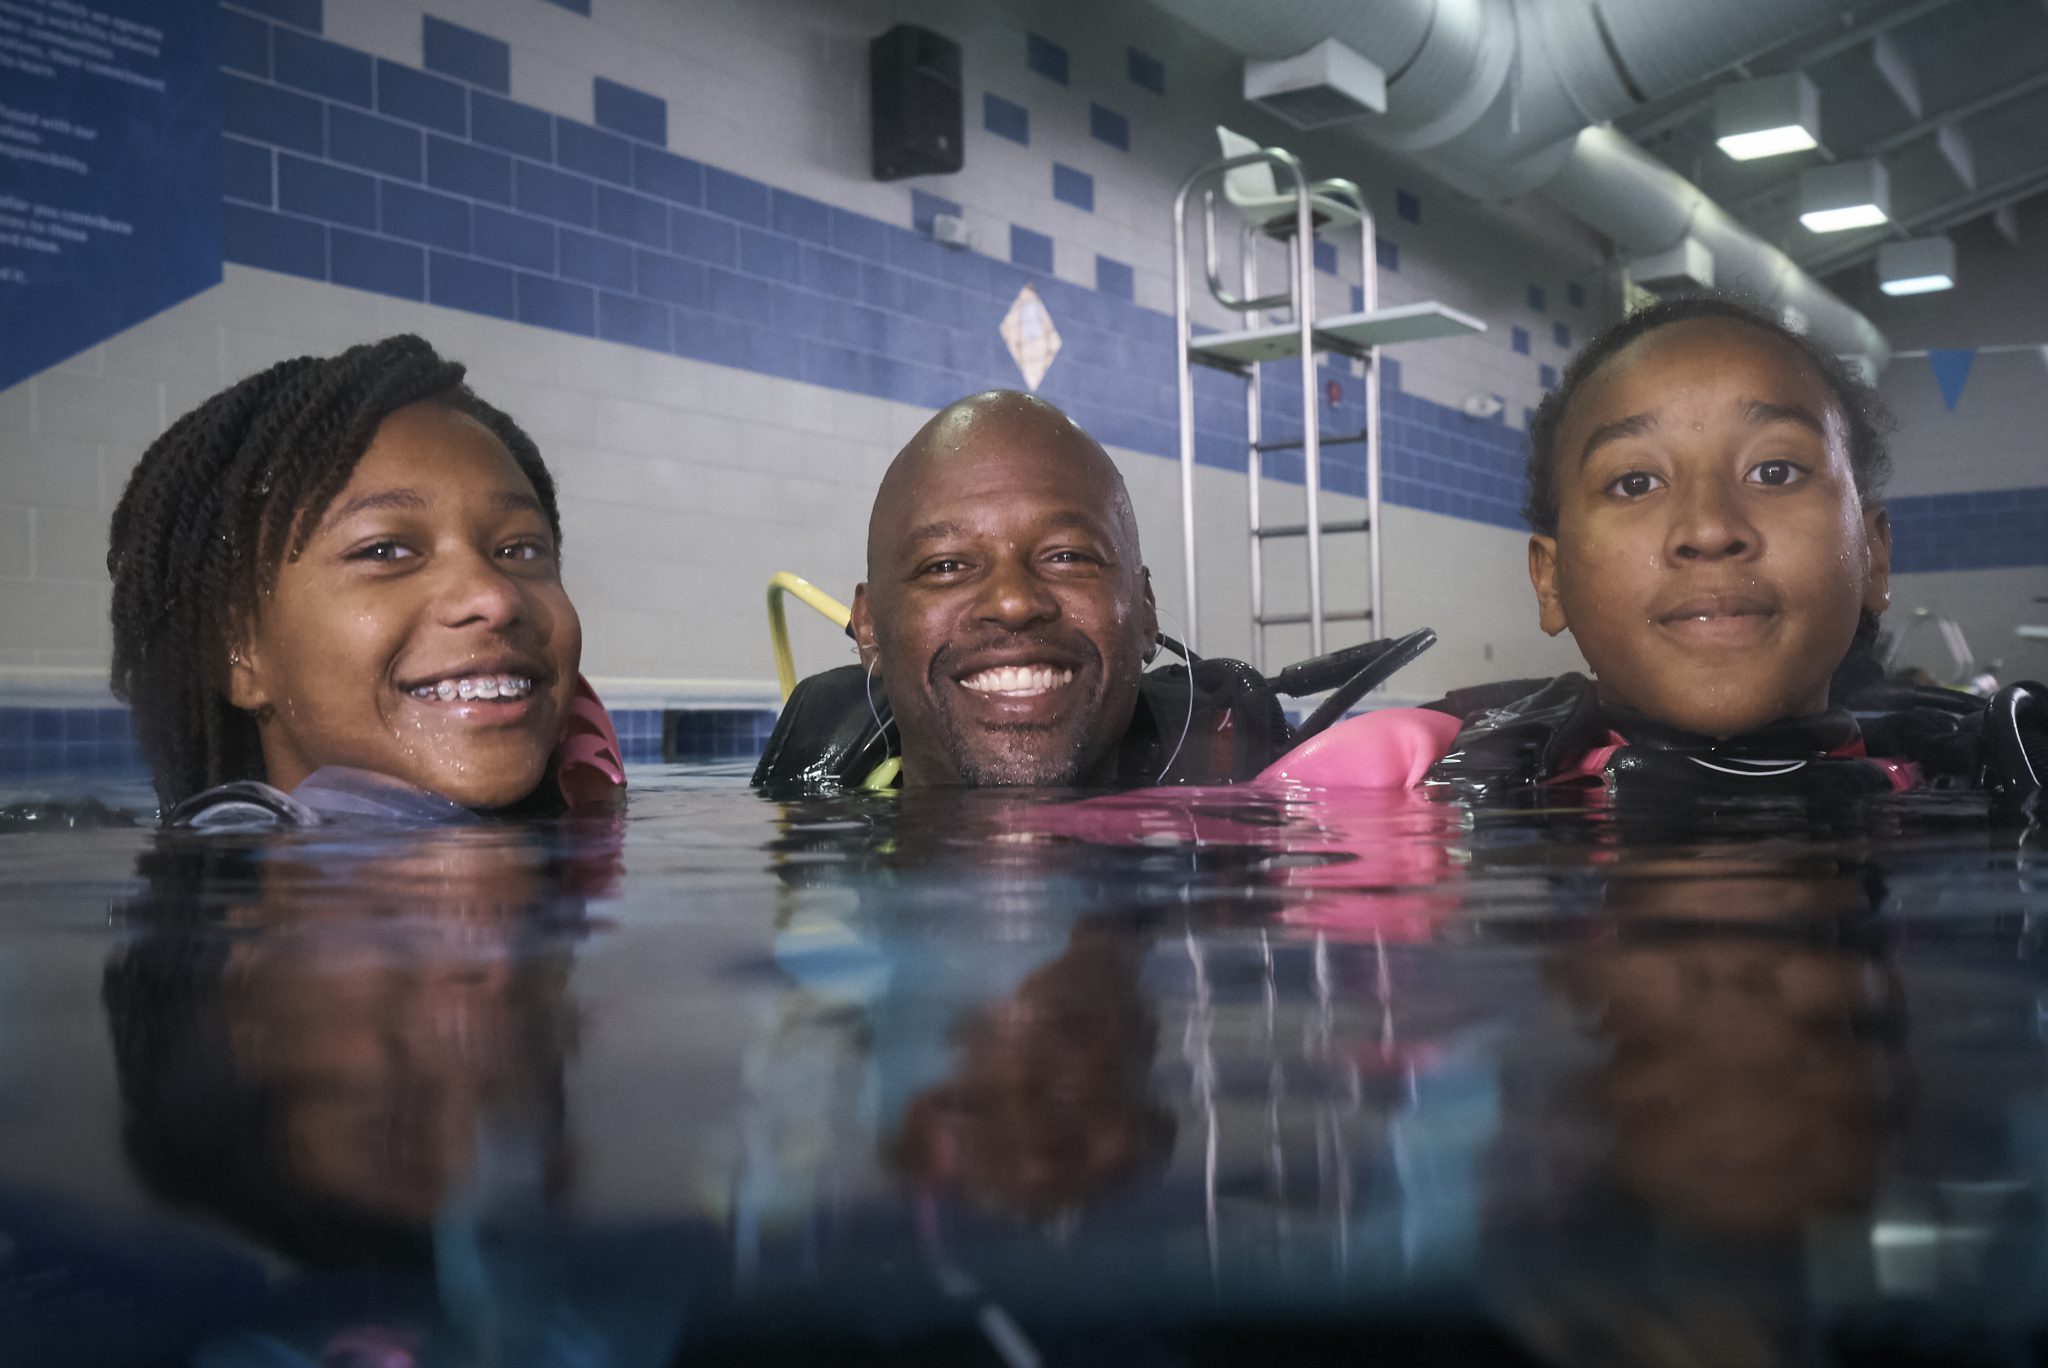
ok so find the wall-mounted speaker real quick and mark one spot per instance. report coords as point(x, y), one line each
point(914, 89)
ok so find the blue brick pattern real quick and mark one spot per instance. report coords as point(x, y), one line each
point(1986, 530)
point(1006, 119)
point(1105, 125)
point(1070, 186)
point(924, 207)
point(305, 14)
point(1148, 71)
point(1045, 57)
point(319, 67)
point(1326, 256)
point(1537, 301)
point(1518, 338)
point(36, 742)
point(1576, 293)
point(701, 734)
point(1561, 335)
point(467, 55)
point(516, 214)
point(1387, 253)
point(632, 112)
point(1407, 206)
point(1030, 250)
point(1115, 279)
point(244, 43)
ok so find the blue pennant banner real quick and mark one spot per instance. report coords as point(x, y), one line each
point(1952, 372)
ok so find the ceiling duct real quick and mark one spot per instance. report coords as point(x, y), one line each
point(1328, 84)
point(1499, 98)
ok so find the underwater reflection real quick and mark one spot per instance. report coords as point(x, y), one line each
point(325, 1047)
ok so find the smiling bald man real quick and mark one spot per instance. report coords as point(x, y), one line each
point(1007, 612)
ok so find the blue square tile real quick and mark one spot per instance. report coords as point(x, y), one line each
point(735, 197)
point(859, 236)
point(657, 275)
point(511, 127)
point(1045, 57)
point(244, 43)
point(1147, 71)
point(675, 179)
point(1358, 299)
point(1407, 206)
point(634, 113)
point(266, 114)
point(1546, 376)
point(636, 322)
point(1029, 249)
point(1390, 373)
point(924, 207)
point(553, 194)
point(1387, 253)
point(1576, 293)
point(420, 98)
point(1561, 335)
point(246, 172)
point(374, 263)
point(1115, 278)
point(1105, 125)
point(1070, 186)
point(464, 169)
point(325, 192)
point(425, 216)
point(593, 152)
point(1326, 256)
point(514, 239)
point(769, 255)
point(475, 286)
point(703, 238)
point(594, 260)
point(800, 216)
point(1518, 338)
point(557, 304)
point(623, 214)
point(1006, 119)
point(746, 298)
point(1537, 300)
point(467, 55)
point(373, 143)
point(302, 62)
point(581, 7)
point(304, 13)
point(273, 242)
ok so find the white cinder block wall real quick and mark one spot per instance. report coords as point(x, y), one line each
point(732, 441)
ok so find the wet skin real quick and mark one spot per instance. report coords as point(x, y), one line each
point(1712, 555)
point(1006, 611)
point(434, 564)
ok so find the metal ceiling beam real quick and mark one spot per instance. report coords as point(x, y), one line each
point(1682, 107)
point(2014, 188)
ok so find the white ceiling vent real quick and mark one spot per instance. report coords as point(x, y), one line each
point(1328, 84)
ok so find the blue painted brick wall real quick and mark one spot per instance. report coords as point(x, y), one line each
point(634, 113)
point(1005, 119)
point(1072, 186)
point(467, 55)
point(1030, 249)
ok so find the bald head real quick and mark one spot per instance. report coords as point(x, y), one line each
point(1006, 610)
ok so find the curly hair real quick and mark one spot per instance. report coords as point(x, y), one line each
point(1870, 461)
point(228, 494)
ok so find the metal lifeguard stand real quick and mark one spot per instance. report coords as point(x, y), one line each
point(1293, 211)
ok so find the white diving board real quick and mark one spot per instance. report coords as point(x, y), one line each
point(1350, 334)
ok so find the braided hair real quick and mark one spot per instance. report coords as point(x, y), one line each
point(1870, 462)
point(226, 495)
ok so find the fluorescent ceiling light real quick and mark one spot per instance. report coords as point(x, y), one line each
point(1854, 194)
point(1767, 117)
point(1917, 266)
point(1848, 216)
point(1768, 142)
point(1913, 285)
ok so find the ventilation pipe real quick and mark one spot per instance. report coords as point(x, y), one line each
point(1500, 98)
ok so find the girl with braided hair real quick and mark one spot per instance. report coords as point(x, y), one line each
point(337, 588)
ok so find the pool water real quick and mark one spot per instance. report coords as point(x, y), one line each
point(1198, 1077)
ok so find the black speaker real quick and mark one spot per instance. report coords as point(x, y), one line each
point(914, 88)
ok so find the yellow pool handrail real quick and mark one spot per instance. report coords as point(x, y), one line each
point(783, 582)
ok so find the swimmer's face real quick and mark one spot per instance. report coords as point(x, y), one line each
point(431, 572)
point(1712, 555)
point(1006, 611)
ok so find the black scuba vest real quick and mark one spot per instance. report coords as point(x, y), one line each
point(1516, 735)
